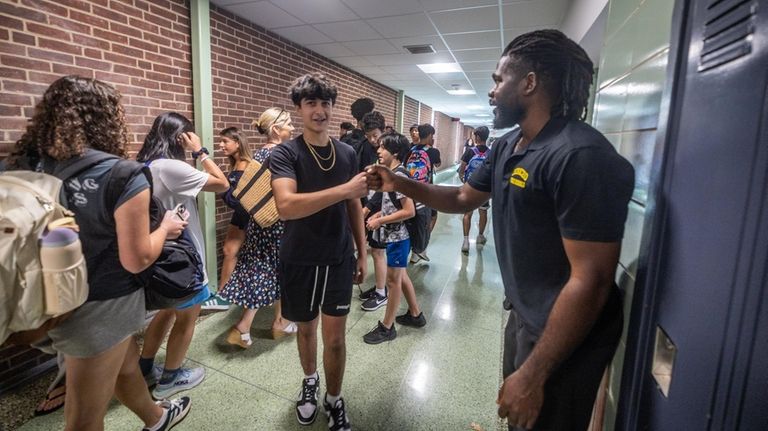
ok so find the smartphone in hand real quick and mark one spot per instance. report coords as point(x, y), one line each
point(181, 212)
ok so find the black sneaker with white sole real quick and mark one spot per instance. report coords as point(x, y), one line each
point(365, 294)
point(375, 302)
point(408, 320)
point(337, 415)
point(380, 334)
point(174, 412)
point(306, 403)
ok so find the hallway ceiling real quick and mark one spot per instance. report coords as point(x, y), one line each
point(368, 36)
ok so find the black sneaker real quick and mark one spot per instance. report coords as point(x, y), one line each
point(337, 415)
point(380, 334)
point(176, 412)
point(365, 294)
point(306, 404)
point(408, 320)
point(375, 302)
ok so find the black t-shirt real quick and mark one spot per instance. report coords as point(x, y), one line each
point(434, 161)
point(468, 154)
point(366, 155)
point(568, 183)
point(325, 237)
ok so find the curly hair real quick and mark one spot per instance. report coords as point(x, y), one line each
point(312, 86)
point(372, 121)
point(361, 106)
point(562, 65)
point(75, 113)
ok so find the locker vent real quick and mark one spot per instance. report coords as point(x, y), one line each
point(727, 32)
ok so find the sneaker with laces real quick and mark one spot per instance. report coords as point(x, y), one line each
point(465, 246)
point(375, 302)
point(215, 303)
point(423, 256)
point(365, 294)
point(175, 412)
point(408, 320)
point(306, 403)
point(481, 239)
point(187, 378)
point(380, 334)
point(337, 415)
point(154, 375)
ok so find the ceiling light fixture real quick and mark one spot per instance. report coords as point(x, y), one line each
point(440, 67)
point(455, 91)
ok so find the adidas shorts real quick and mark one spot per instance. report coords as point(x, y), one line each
point(308, 289)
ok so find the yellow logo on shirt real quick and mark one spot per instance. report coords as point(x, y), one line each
point(519, 177)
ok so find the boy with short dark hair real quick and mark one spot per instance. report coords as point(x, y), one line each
point(317, 190)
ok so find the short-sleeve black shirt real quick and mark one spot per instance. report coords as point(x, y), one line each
point(325, 237)
point(568, 183)
point(468, 153)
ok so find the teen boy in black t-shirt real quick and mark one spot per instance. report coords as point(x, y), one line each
point(317, 190)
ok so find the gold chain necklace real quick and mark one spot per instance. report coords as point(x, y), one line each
point(318, 157)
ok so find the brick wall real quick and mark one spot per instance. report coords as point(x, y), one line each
point(445, 139)
point(425, 114)
point(410, 114)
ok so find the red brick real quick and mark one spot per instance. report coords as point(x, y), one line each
point(124, 29)
point(90, 41)
point(44, 6)
point(43, 78)
point(125, 9)
point(145, 83)
point(162, 22)
point(8, 73)
point(143, 101)
point(125, 70)
point(10, 111)
point(89, 19)
point(58, 46)
point(160, 40)
point(77, 4)
point(121, 59)
point(12, 23)
point(24, 63)
point(160, 95)
point(165, 69)
point(132, 89)
point(110, 36)
point(22, 12)
point(72, 70)
point(49, 31)
point(73, 26)
point(50, 55)
point(13, 99)
point(93, 53)
point(112, 78)
point(23, 38)
point(23, 87)
point(138, 43)
point(109, 14)
point(93, 64)
point(163, 11)
point(130, 52)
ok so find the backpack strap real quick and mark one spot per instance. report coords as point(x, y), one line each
point(119, 177)
point(75, 166)
point(392, 195)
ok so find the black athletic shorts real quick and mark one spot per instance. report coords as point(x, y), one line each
point(307, 289)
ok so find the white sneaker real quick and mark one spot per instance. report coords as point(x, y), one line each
point(481, 240)
point(176, 411)
point(187, 378)
point(465, 246)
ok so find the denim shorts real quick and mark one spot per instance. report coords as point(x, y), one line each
point(397, 253)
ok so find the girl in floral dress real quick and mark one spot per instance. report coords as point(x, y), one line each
point(254, 281)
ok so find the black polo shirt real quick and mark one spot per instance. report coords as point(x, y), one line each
point(568, 183)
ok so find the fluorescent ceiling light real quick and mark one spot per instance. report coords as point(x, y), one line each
point(440, 67)
point(482, 115)
point(461, 92)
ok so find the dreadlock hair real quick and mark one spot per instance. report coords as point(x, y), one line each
point(563, 67)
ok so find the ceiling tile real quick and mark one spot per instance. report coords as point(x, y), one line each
point(402, 68)
point(348, 31)
point(379, 8)
point(319, 11)
point(479, 75)
point(463, 20)
point(435, 41)
point(353, 61)
point(388, 59)
point(479, 66)
point(403, 25)
point(480, 39)
point(331, 50)
point(302, 34)
point(433, 5)
point(371, 47)
point(486, 54)
point(534, 13)
point(511, 34)
point(371, 70)
point(265, 14)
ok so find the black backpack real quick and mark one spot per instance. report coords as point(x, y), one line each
point(410, 224)
point(177, 274)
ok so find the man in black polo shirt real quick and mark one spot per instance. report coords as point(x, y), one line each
point(317, 189)
point(560, 193)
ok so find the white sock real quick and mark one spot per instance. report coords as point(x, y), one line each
point(466, 238)
point(331, 399)
point(381, 292)
point(313, 376)
point(159, 423)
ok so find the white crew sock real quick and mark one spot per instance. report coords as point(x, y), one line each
point(331, 399)
point(159, 423)
point(381, 292)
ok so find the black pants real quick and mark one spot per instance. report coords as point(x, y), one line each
point(570, 392)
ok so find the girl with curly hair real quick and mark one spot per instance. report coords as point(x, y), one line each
point(75, 118)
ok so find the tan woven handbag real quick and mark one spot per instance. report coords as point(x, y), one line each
point(254, 191)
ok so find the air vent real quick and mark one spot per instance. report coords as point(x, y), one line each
point(420, 49)
point(727, 30)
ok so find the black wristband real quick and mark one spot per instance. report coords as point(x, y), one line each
point(196, 154)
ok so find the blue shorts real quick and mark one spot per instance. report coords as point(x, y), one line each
point(201, 297)
point(397, 253)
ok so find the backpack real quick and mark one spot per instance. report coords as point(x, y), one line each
point(177, 274)
point(40, 281)
point(418, 165)
point(475, 162)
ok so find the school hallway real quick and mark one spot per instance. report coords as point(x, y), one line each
point(441, 377)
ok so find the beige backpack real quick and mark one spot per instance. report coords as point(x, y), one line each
point(38, 282)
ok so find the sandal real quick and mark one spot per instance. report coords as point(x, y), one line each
point(237, 338)
point(56, 395)
point(289, 329)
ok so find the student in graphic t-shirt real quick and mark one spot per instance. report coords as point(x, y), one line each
point(317, 190)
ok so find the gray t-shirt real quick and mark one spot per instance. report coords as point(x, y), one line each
point(175, 182)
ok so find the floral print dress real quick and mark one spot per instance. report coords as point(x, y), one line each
point(254, 282)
